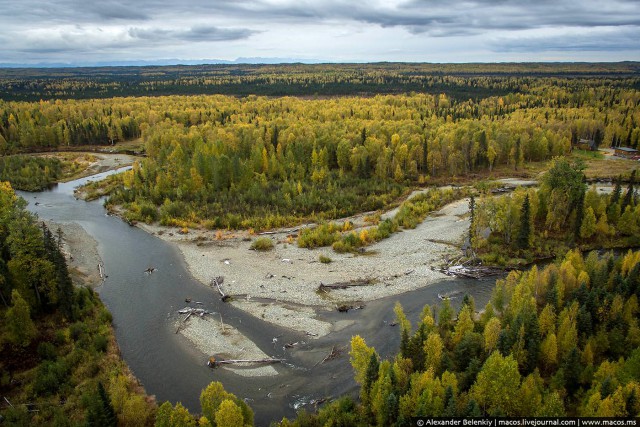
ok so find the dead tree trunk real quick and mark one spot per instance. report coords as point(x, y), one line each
point(217, 282)
point(213, 363)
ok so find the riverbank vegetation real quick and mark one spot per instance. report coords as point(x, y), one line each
point(560, 341)
point(540, 223)
point(38, 172)
point(409, 214)
point(58, 356)
point(30, 173)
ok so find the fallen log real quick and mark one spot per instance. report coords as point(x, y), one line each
point(345, 308)
point(213, 363)
point(449, 295)
point(334, 353)
point(344, 285)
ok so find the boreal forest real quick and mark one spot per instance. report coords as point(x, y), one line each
point(255, 148)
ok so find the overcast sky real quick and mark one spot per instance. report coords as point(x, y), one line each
point(81, 31)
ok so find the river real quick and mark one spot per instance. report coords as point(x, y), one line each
point(143, 308)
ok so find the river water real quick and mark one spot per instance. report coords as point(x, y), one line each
point(144, 306)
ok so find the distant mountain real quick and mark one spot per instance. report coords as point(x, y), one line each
point(160, 62)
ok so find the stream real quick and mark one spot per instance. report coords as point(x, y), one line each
point(168, 366)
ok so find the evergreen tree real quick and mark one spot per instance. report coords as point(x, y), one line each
point(579, 216)
point(53, 253)
point(588, 227)
point(524, 233)
point(450, 408)
point(100, 412)
point(371, 376)
point(473, 409)
point(597, 138)
point(628, 197)
point(617, 192)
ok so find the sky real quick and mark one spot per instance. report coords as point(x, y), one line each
point(111, 31)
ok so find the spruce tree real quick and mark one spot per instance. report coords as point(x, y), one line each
point(100, 412)
point(628, 197)
point(524, 234)
point(579, 216)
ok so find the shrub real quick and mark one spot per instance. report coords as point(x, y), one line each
point(77, 330)
point(50, 376)
point(262, 244)
point(100, 343)
point(322, 235)
point(47, 351)
point(325, 259)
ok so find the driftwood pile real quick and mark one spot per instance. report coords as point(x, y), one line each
point(191, 311)
point(504, 189)
point(333, 354)
point(471, 272)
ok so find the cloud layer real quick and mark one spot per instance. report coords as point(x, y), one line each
point(334, 30)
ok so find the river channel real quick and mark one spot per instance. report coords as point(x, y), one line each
point(168, 366)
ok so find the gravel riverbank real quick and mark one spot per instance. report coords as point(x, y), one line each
point(281, 286)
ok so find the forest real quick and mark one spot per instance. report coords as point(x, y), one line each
point(260, 147)
point(534, 224)
point(30, 173)
point(255, 162)
point(557, 341)
point(58, 356)
point(460, 81)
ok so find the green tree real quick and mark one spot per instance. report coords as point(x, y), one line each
point(491, 334)
point(20, 327)
point(433, 350)
point(212, 397)
point(627, 225)
point(229, 415)
point(588, 227)
point(360, 357)
point(497, 385)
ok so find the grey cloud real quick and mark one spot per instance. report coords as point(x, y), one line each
point(625, 40)
point(457, 16)
point(65, 11)
point(434, 17)
point(148, 26)
point(198, 33)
